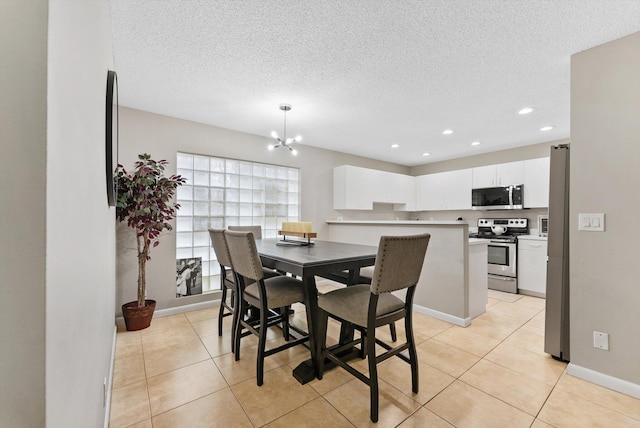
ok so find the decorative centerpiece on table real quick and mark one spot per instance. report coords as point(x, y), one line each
point(298, 229)
point(145, 203)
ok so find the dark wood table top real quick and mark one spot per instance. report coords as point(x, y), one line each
point(322, 257)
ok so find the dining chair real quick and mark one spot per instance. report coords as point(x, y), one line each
point(278, 292)
point(256, 230)
point(366, 275)
point(398, 265)
point(227, 280)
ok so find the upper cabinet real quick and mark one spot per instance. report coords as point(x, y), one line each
point(536, 183)
point(503, 174)
point(449, 190)
point(356, 188)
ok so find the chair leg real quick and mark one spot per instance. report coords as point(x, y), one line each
point(235, 320)
point(321, 343)
point(285, 322)
point(262, 343)
point(223, 301)
point(373, 373)
point(413, 355)
point(394, 334)
point(240, 309)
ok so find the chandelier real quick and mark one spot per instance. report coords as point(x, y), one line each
point(284, 141)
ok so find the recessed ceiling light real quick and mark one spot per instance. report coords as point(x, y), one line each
point(546, 128)
point(526, 110)
point(426, 154)
point(395, 146)
point(447, 132)
point(475, 143)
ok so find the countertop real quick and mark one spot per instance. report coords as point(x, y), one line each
point(478, 241)
point(401, 222)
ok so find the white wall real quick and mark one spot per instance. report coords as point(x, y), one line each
point(163, 136)
point(23, 132)
point(58, 238)
point(605, 174)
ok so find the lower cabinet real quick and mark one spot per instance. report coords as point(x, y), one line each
point(532, 266)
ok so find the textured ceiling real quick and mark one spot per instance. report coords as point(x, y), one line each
point(364, 74)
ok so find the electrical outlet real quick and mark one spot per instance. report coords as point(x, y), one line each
point(601, 340)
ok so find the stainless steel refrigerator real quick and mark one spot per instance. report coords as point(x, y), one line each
point(556, 335)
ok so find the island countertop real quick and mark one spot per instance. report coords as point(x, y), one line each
point(403, 222)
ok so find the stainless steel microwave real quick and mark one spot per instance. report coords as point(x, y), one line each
point(497, 198)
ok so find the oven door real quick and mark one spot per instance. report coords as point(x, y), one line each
point(502, 258)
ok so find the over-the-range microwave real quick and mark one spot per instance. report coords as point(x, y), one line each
point(497, 198)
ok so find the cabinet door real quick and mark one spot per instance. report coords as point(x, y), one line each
point(532, 266)
point(536, 183)
point(457, 189)
point(405, 188)
point(484, 176)
point(509, 173)
point(428, 192)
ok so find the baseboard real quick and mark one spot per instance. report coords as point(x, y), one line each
point(613, 383)
point(107, 405)
point(178, 309)
point(462, 322)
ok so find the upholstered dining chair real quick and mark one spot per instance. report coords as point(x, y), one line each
point(256, 230)
point(398, 265)
point(366, 275)
point(278, 292)
point(227, 280)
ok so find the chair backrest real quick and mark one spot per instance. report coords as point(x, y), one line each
point(256, 230)
point(219, 244)
point(244, 254)
point(399, 262)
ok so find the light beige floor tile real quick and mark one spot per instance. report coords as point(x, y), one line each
point(613, 400)
point(515, 310)
point(280, 394)
point(171, 358)
point(172, 389)
point(144, 424)
point(169, 339)
point(534, 325)
point(209, 326)
point(519, 390)
point(503, 297)
point(468, 339)
point(331, 379)
point(431, 381)
point(425, 418)
point(219, 345)
point(446, 358)
point(540, 367)
point(490, 328)
point(532, 302)
point(502, 318)
point(526, 339)
point(464, 406)
point(352, 400)
point(128, 343)
point(204, 314)
point(163, 325)
point(220, 409)
point(426, 325)
point(540, 424)
point(127, 370)
point(239, 371)
point(564, 409)
point(129, 405)
point(316, 413)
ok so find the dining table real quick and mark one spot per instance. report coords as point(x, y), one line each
point(338, 261)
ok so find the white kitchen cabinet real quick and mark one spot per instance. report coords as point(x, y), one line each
point(356, 188)
point(449, 190)
point(503, 174)
point(536, 183)
point(532, 266)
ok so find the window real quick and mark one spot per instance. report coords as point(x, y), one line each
point(228, 192)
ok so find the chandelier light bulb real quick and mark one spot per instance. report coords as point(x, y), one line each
point(284, 141)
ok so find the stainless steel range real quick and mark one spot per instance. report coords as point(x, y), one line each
point(502, 234)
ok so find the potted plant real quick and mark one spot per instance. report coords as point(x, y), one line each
point(145, 203)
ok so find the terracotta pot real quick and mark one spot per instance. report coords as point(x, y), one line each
point(136, 318)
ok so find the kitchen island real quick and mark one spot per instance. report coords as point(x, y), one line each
point(453, 283)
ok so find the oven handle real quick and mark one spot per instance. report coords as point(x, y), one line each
point(502, 278)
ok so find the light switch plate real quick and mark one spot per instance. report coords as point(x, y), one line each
point(591, 222)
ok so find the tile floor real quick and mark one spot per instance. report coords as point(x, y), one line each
point(179, 373)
